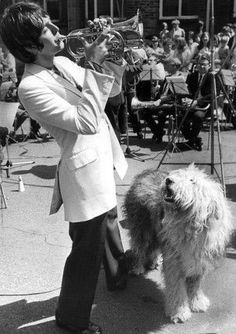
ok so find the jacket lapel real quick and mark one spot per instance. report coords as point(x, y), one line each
point(52, 78)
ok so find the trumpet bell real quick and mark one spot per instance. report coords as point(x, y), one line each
point(75, 47)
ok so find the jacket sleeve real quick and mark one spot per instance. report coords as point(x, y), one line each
point(45, 105)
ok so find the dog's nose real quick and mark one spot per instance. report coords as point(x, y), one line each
point(168, 181)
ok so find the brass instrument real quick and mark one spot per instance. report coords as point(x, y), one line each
point(136, 104)
point(123, 36)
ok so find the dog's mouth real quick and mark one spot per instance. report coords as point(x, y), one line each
point(168, 194)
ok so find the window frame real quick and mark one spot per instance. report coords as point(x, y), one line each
point(180, 16)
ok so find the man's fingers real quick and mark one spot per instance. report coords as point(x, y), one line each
point(103, 38)
point(84, 41)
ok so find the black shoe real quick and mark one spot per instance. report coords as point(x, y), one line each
point(154, 137)
point(190, 144)
point(92, 328)
point(198, 140)
point(159, 140)
point(158, 136)
point(194, 145)
point(198, 144)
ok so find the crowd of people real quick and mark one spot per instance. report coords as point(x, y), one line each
point(176, 52)
point(170, 52)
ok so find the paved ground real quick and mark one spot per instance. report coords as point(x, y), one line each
point(33, 248)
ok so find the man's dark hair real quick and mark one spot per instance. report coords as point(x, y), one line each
point(20, 27)
point(204, 57)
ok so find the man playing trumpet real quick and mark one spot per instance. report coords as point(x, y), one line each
point(68, 101)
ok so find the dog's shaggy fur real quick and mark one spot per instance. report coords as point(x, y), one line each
point(186, 215)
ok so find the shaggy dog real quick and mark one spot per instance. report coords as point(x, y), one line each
point(186, 215)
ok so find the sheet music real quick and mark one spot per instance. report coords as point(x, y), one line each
point(227, 77)
point(178, 85)
point(151, 72)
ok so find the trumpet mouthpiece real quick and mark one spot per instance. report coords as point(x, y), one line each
point(62, 38)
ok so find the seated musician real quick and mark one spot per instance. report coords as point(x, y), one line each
point(200, 89)
point(166, 96)
point(146, 91)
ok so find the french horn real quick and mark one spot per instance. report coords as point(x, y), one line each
point(123, 36)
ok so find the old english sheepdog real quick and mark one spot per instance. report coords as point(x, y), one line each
point(185, 215)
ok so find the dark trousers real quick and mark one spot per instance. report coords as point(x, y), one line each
point(193, 124)
point(93, 241)
point(115, 110)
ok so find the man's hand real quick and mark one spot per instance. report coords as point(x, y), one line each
point(98, 50)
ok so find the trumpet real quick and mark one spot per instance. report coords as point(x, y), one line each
point(123, 36)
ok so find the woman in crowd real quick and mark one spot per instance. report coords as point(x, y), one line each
point(176, 31)
point(222, 52)
point(204, 45)
point(158, 50)
point(164, 33)
point(182, 52)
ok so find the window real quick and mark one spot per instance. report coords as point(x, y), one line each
point(95, 8)
point(183, 9)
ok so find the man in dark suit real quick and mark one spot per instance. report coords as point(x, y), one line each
point(200, 89)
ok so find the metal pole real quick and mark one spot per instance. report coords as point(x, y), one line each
point(86, 10)
point(95, 4)
point(214, 105)
point(111, 9)
point(213, 95)
point(208, 15)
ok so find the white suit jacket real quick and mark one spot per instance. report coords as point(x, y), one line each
point(89, 148)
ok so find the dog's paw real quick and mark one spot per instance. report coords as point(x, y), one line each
point(199, 303)
point(182, 315)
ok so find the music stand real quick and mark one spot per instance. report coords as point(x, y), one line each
point(149, 73)
point(179, 88)
point(178, 85)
